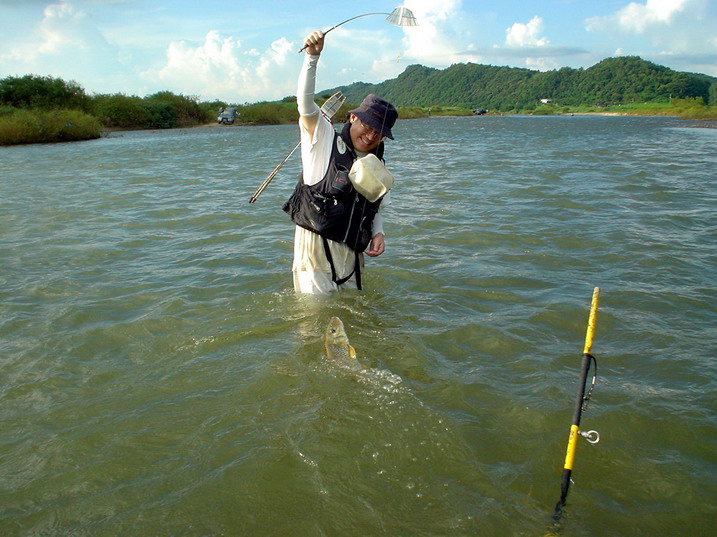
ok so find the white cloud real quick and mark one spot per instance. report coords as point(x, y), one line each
point(374, 55)
point(219, 68)
point(59, 18)
point(541, 63)
point(637, 18)
point(434, 41)
point(526, 43)
point(681, 31)
point(276, 56)
point(522, 35)
point(63, 41)
point(144, 46)
point(672, 25)
point(62, 28)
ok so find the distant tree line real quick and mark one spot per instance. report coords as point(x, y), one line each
point(162, 110)
point(612, 81)
point(32, 91)
point(158, 111)
point(46, 109)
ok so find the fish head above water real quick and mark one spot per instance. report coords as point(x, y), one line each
point(336, 333)
point(336, 342)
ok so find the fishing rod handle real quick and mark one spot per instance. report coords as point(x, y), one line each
point(302, 49)
point(271, 176)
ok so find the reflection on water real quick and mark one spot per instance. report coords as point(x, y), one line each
point(159, 376)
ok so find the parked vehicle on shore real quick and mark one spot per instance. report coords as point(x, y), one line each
point(227, 115)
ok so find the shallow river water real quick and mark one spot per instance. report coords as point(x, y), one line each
point(158, 375)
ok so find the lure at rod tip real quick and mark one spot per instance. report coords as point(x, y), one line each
point(400, 16)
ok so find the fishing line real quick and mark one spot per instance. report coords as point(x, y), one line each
point(400, 16)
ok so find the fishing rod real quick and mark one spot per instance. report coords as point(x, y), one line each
point(329, 109)
point(581, 401)
point(400, 16)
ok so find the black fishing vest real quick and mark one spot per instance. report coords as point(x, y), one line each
point(332, 207)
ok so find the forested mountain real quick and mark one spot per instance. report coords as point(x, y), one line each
point(612, 81)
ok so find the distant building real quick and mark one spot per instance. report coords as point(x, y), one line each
point(546, 101)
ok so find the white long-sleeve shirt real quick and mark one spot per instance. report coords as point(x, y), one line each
point(311, 269)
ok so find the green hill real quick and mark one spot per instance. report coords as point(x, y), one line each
point(620, 80)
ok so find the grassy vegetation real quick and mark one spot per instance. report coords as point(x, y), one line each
point(284, 112)
point(268, 113)
point(36, 109)
point(21, 126)
point(684, 108)
point(413, 112)
point(688, 108)
point(163, 110)
point(44, 109)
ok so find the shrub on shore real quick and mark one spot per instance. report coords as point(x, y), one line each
point(268, 113)
point(119, 111)
point(163, 110)
point(169, 110)
point(32, 91)
point(38, 126)
point(415, 112)
point(688, 108)
point(693, 108)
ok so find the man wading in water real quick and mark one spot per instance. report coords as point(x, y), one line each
point(335, 205)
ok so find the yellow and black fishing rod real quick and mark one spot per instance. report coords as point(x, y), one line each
point(580, 401)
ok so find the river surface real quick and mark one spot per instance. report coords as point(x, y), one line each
point(159, 377)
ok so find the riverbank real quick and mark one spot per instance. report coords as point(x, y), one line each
point(41, 127)
point(44, 127)
point(690, 123)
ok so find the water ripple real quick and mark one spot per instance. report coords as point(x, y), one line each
point(159, 376)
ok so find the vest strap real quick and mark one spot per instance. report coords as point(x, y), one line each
point(356, 270)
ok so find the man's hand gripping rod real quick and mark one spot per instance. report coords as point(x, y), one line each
point(329, 108)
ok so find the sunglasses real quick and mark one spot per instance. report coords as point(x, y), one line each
point(368, 131)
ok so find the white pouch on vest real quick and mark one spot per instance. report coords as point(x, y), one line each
point(370, 177)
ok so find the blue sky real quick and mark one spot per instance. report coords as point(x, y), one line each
point(246, 51)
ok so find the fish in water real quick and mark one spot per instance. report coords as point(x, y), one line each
point(336, 342)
